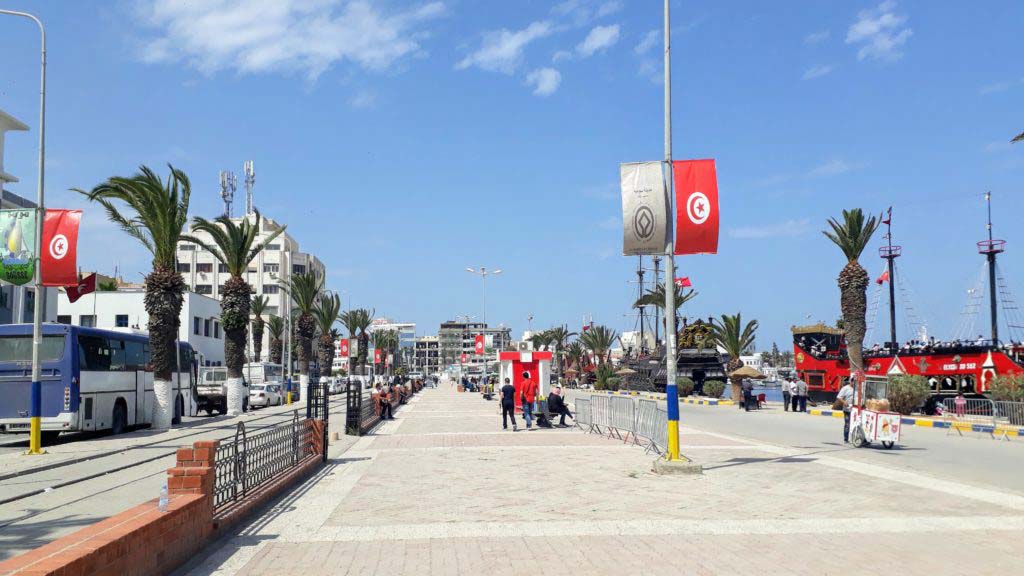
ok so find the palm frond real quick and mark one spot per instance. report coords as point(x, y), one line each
point(853, 233)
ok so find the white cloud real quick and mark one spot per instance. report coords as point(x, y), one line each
point(650, 40)
point(561, 55)
point(817, 37)
point(584, 12)
point(999, 87)
point(831, 168)
point(545, 81)
point(817, 72)
point(781, 229)
point(600, 38)
point(256, 36)
point(609, 8)
point(502, 50)
point(363, 99)
point(880, 32)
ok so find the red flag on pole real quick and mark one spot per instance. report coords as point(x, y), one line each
point(463, 357)
point(683, 282)
point(60, 247)
point(377, 356)
point(478, 344)
point(696, 207)
point(343, 345)
point(883, 278)
point(84, 286)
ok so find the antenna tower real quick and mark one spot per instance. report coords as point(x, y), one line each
point(250, 180)
point(228, 184)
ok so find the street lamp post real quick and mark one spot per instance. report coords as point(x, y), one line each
point(483, 273)
point(35, 413)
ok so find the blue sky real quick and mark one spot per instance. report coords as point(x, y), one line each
point(404, 141)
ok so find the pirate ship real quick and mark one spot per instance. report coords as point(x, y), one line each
point(964, 363)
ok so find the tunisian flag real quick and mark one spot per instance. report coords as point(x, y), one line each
point(478, 344)
point(377, 356)
point(343, 345)
point(684, 282)
point(60, 247)
point(883, 278)
point(696, 207)
point(85, 286)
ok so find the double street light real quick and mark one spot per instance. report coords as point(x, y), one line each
point(484, 273)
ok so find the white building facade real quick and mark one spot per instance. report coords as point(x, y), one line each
point(124, 309)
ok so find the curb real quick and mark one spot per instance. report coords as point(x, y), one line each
point(929, 423)
point(684, 400)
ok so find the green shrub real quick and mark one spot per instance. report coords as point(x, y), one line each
point(1007, 387)
point(907, 392)
point(714, 388)
point(612, 383)
point(685, 385)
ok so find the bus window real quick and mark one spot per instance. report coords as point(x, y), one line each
point(118, 355)
point(136, 355)
point(93, 353)
point(19, 348)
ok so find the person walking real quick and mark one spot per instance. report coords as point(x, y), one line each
point(748, 392)
point(846, 397)
point(508, 405)
point(801, 394)
point(787, 393)
point(528, 394)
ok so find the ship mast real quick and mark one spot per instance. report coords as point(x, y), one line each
point(990, 248)
point(891, 253)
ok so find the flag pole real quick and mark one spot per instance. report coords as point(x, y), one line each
point(671, 392)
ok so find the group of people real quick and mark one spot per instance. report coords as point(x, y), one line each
point(794, 394)
point(528, 391)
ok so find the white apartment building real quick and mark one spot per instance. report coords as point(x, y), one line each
point(267, 274)
point(406, 330)
point(17, 302)
point(125, 309)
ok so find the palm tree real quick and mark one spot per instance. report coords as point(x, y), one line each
point(852, 236)
point(540, 340)
point(737, 339)
point(656, 297)
point(157, 216)
point(106, 286)
point(576, 354)
point(356, 322)
point(386, 341)
point(326, 314)
point(559, 337)
point(305, 289)
point(1018, 138)
point(276, 326)
point(234, 245)
point(599, 340)
point(257, 306)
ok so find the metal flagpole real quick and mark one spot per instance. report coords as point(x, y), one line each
point(671, 392)
point(35, 409)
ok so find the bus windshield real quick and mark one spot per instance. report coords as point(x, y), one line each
point(19, 348)
point(215, 376)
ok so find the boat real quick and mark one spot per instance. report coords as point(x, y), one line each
point(967, 365)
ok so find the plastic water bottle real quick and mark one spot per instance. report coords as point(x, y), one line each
point(163, 499)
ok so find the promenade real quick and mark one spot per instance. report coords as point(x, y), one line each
point(443, 490)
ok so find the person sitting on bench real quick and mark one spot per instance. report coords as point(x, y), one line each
point(556, 405)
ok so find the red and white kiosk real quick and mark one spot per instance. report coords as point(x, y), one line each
point(513, 364)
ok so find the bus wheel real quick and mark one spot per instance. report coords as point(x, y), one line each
point(120, 419)
point(179, 409)
point(209, 411)
point(49, 436)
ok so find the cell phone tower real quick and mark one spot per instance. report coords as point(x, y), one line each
point(250, 180)
point(228, 184)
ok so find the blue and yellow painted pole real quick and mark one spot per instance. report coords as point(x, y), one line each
point(35, 441)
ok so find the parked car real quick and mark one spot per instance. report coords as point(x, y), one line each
point(265, 395)
point(338, 385)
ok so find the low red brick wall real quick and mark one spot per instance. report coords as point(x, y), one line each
point(144, 541)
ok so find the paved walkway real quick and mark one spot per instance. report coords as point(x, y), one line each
point(443, 490)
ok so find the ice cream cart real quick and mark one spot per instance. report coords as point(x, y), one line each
point(872, 423)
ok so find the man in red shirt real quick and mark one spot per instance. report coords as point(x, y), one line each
point(527, 395)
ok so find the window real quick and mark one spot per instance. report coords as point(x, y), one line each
point(206, 327)
point(271, 289)
point(272, 268)
point(220, 289)
point(135, 356)
point(204, 267)
point(197, 324)
point(270, 310)
point(63, 318)
point(204, 289)
point(121, 321)
point(273, 247)
point(87, 320)
point(222, 267)
point(187, 247)
point(93, 353)
point(251, 270)
point(216, 329)
point(184, 267)
point(19, 348)
point(298, 268)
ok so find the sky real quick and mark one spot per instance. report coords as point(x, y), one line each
point(404, 141)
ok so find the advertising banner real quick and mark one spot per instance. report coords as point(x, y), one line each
point(17, 257)
point(60, 247)
point(646, 228)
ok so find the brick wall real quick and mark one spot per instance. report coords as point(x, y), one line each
point(144, 541)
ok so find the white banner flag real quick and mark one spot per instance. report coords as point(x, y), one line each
point(645, 208)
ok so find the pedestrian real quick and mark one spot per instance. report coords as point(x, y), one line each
point(787, 393)
point(384, 397)
point(960, 404)
point(748, 393)
point(508, 405)
point(801, 393)
point(794, 399)
point(556, 405)
point(845, 397)
point(527, 395)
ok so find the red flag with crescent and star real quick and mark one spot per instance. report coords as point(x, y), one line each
point(478, 344)
point(60, 247)
point(684, 282)
point(883, 278)
point(85, 286)
point(343, 345)
point(377, 359)
point(696, 206)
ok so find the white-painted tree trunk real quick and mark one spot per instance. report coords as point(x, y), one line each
point(236, 396)
point(163, 405)
point(304, 390)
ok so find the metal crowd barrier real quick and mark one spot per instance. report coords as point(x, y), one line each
point(998, 415)
point(624, 418)
point(582, 413)
point(600, 419)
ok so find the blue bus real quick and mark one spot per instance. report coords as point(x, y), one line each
point(92, 379)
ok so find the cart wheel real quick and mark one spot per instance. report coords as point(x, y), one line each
point(857, 438)
point(888, 445)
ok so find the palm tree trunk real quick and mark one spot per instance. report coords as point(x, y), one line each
point(306, 328)
point(257, 339)
point(234, 318)
point(276, 350)
point(325, 354)
point(163, 300)
point(853, 285)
